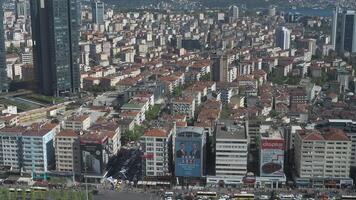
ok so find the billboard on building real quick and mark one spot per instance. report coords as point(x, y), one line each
point(92, 159)
point(272, 157)
point(188, 157)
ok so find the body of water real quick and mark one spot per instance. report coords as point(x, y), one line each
point(327, 12)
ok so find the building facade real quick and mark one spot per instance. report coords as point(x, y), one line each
point(343, 37)
point(67, 151)
point(349, 127)
point(189, 152)
point(271, 158)
point(11, 152)
point(55, 34)
point(98, 11)
point(4, 85)
point(38, 148)
point(155, 145)
point(220, 67)
point(77, 123)
point(348, 32)
point(231, 153)
point(322, 158)
point(184, 106)
point(21, 8)
point(283, 38)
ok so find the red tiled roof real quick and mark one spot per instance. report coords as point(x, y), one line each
point(157, 132)
point(310, 135)
point(67, 133)
point(336, 135)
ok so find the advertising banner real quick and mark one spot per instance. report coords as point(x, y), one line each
point(92, 159)
point(272, 158)
point(188, 158)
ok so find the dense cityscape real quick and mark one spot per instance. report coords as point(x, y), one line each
point(185, 99)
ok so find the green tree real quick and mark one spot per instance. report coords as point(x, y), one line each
point(273, 113)
point(206, 77)
point(13, 50)
point(225, 112)
point(133, 135)
point(177, 91)
point(153, 112)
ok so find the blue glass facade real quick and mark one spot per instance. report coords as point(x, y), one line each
point(97, 12)
point(3, 75)
point(55, 27)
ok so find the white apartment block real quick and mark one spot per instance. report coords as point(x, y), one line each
point(184, 106)
point(67, 151)
point(322, 155)
point(112, 131)
point(349, 127)
point(154, 144)
point(231, 150)
point(77, 123)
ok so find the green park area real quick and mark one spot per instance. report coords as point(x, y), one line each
point(45, 99)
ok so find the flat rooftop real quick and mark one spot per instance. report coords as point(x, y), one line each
point(230, 129)
point(272, 134)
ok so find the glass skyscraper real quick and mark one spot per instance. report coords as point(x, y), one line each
point(97, 12)
point(3, 75)
point(55, 32)
point(344, 30)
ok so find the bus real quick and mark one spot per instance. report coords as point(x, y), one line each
point(168, 195)
point(44, 189)
point(206, 195)
point(244, 196)
point(286, 196)
point(348, 197)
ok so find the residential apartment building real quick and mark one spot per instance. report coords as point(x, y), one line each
point(78, 123)
point(67, 151)
point(320, 157)
point(185, 106)
point(155, 145)
point(11, 147)
point(112, 130)
point(349, 127)
point(38, 148)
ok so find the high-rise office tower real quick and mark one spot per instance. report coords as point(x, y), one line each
point(234, 12)
point(283, 38)
point(348, 32)
point(3, 75)
point(21, 8)
point(55, 35)
point(97, 11)
point(220, 67)
point(334, 27)
point(343, 32)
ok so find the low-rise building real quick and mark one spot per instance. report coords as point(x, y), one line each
point(78, 123)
